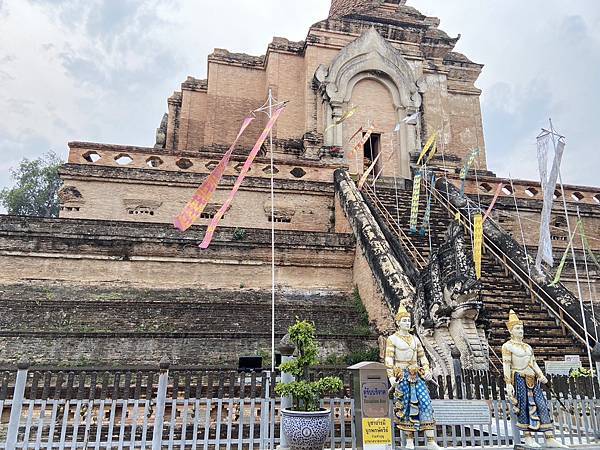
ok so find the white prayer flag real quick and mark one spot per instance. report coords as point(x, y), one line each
point(412, 119)
point(548, 186)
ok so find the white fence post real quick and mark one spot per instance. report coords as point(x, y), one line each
point(286, 348)
point(161, 397)
point(17, 405)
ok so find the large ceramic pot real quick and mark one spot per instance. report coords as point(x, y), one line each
point(306, 430)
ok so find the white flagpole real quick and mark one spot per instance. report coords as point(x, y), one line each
point(272, 238)
point(579, 292)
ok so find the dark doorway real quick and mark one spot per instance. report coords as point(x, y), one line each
point(370, 151)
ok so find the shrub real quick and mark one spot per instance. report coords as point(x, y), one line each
point(306, 395)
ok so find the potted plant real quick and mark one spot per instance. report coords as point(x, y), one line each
point(306, 425)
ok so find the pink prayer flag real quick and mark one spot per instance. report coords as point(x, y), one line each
point(196, 205)
point(215, 221)
point(496, 195)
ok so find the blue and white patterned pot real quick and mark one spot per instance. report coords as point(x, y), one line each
point(306, 430)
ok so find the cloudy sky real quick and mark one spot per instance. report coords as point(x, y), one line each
point(101, 70)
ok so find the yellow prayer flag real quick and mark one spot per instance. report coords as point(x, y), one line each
point(428, 144)
point(345, 116)
point(477, 243)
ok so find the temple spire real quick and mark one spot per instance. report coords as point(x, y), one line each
point(345, 7)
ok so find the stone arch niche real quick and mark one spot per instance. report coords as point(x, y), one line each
point(370, 59)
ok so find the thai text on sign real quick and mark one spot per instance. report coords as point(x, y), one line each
point(377, 434)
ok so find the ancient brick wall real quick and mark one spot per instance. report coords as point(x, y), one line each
point(60, 324)
point(149, 255)
point(343, 7)
point(80, 292)
point(209, 115)
point(113, 351)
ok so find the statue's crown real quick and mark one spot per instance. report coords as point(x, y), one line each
point(513, 320)
point(402, 312)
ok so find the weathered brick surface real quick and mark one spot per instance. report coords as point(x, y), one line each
point(59, 324)
point(343, 7)
point(110, 350)
point(155, 255)
point(239, 83)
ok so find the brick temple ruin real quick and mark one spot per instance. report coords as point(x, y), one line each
point(112, 283)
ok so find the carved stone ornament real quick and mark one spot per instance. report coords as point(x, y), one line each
point(448, 305)
point(368, 57)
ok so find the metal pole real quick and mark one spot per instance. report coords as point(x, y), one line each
point(564, 201)
point(514, 195)
point(161, 397)
point(587, 273)
point(17, 405)
point(272, 239)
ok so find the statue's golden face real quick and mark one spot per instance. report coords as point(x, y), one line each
point(517, 331)
point(405, 323)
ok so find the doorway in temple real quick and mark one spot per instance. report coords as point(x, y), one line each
point(370, 151)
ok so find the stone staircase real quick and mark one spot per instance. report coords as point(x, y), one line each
point(500, 291)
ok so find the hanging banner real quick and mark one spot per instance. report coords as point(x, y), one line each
point(246, 167)
point(563, 260)
point(362, 142)
point(548, 188)
point(465, 170)
point(477, 243)
point(345, 116)
point(355, 134)
point(432, 139)
point(494, 200)
point(414, 207)
point(365, 175)
point(427, 215)
point(196, 205)
point(432, 152)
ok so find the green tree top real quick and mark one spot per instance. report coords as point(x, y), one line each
point(305, 394)
point(35, 192)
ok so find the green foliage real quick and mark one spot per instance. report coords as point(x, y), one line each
point(305, 394)
point(364, 354)
point(239, 234)
point(581, 372)
point(361, 311)
point(35, 192)
point(359, 355)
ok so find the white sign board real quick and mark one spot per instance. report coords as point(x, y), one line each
point(561, 367)
point(573, 359)
point(461, 412)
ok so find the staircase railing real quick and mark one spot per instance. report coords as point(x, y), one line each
point(567, 321)
point(418, 259)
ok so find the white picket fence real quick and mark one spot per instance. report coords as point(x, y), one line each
point(189, 421)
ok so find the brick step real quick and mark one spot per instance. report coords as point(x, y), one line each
point(171, 319)
point(44, 292)
point(500, 292)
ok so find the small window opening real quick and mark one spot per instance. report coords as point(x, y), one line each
point(370, 151)
point(281, 219)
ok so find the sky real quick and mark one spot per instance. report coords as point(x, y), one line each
point(102, 70)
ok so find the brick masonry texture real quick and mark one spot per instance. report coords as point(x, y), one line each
point(112, 282)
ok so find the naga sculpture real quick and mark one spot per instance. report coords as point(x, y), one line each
point(448, 306)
